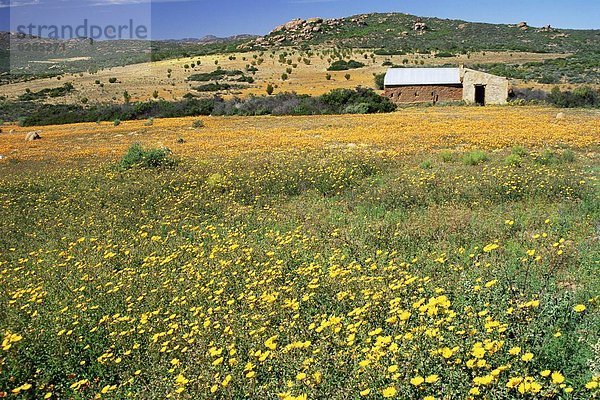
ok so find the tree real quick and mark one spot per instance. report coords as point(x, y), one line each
point(379, 81)
point(126, 97)
point(347, 76)
point(270, 89)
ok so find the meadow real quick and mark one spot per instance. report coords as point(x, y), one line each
point(431, 253)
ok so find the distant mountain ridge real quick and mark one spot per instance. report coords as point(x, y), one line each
point(211, 39)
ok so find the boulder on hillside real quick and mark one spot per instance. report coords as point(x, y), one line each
point(420, 26)
point(31, 136)
point(294, 24)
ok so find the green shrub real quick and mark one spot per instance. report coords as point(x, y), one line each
point(379, 81)
point(447, 156)
point(117, 122)
point(475, 157)
point(112, 80)
point(214, 75)
point(198, 124)
point(137, 156)
point(514, 160)
point(519, 151)
point(568, 156)
point(342, 65)
point(215, 87)
point(360, 108)
point(270, 89)
point(328, 77)
point(583, 96)
point(547, 157)
point(427, 164)
point(149, 122)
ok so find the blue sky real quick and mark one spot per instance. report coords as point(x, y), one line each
point(196, 18)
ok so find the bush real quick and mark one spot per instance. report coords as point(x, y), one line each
point(270, 89)
point(519, 151)
point(581, 97)
point(112, 80)
point(339, 99)
point(328, 77)
point(514, 160)
point(568, 156)
point(216, 87)
point(447, 156)
point(214, 75)
point(474, 158)
point(45, 93)
point(198, 124)
point(547, 157)
point(360, 108)
point(117, 122)
point(426, 164)
point(137, 156)
point(149, 122)
point(342, 65)
point(379, 81)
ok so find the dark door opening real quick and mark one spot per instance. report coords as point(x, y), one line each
point(480, 95)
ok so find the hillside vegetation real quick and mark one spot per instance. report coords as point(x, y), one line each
point(394, 34)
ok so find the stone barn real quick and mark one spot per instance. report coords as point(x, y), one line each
point(418, 85)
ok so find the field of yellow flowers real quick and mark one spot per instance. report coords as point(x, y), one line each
point(444, 253)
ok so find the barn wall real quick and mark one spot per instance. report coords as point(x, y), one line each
point(424, 93)
point(496, 87)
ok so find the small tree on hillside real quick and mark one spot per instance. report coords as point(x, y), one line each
point(270, 89)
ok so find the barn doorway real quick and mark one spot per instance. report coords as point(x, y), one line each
point(480, 94)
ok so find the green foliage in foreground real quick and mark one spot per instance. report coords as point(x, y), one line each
point(164, 282)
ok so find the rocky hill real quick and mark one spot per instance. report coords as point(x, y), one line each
point(397, 33)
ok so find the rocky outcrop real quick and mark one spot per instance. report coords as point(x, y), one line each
point(299, 30)
point(31, 136)
point(420, 26)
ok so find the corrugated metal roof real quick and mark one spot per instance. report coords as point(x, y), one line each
point(422, 76)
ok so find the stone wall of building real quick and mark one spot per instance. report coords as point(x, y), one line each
point(424, 93)
point(496, 87)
